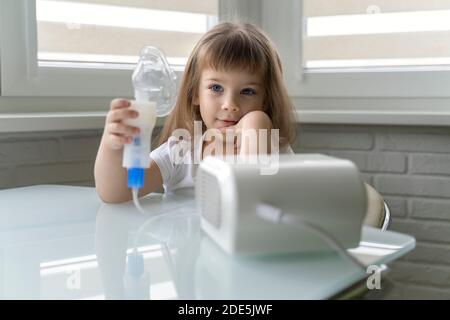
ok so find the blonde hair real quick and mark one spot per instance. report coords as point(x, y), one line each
point(228, 46)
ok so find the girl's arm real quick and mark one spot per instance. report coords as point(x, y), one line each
point(255, 137)
point(110, 176)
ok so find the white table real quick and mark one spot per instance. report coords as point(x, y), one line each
point(61, 242)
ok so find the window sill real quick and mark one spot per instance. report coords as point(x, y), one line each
point(374, 118)
point(374, 111)
point(308, 111)
point(54, 121)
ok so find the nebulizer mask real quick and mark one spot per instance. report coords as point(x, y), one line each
point(155, 92)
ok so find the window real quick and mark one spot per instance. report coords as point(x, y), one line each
point(110, 33)
point(344, 63)
point(375, 34)
point(88, 48)
point(382, 48)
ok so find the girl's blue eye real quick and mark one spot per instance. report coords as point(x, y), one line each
point(248, 91)
point(216, 88)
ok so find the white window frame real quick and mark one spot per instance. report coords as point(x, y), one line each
point(21, 76)
point(50, 98)
point(401, 97)
point(394, 97)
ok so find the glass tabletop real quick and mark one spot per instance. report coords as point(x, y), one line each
point(60, 242)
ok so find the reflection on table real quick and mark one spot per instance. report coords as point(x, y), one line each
point(61, 242)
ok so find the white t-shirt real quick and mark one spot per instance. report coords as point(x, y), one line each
point(178, 163)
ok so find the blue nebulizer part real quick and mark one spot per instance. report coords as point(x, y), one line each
point(135, 178)
point(154, 85)
point(136, 282)
point(135, 264)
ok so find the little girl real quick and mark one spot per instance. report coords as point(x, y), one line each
point(232, 81)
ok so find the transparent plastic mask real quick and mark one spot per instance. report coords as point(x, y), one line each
point(154, 80)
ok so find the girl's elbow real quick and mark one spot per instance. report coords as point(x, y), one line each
point(257, 120)
point(112, 199)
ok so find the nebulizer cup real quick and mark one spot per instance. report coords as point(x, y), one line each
point(155, 92)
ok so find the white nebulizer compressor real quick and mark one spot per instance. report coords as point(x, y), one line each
point(314, 202)
point(154, 85)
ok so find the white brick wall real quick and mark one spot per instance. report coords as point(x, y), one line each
point(410, 166)
point(338, 140)
point(429, 209)
point(414, 142)
point(50, 157)
point(65, 157)
point(430, 252)
point(397, 206)
point(429, 164)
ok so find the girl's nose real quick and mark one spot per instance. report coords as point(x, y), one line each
point(230, 105)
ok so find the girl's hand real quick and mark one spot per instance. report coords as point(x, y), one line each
point(254, 120)
point(230, 135)
point(249, 135)
point(117, 133)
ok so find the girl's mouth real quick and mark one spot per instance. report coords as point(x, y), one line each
point(226, 123)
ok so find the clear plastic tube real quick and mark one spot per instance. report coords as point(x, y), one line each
point(137, 204)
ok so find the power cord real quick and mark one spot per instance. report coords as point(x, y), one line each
point(276, 215)
point(266, 212)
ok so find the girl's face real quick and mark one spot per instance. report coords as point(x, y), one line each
point(225, 97)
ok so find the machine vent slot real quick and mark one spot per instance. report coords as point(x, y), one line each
point(210, 203)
